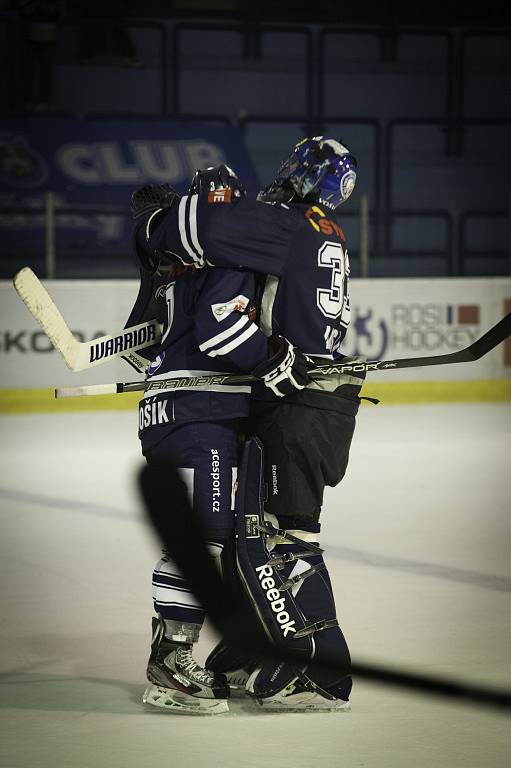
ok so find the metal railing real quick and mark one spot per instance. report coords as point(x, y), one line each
point(43, 248)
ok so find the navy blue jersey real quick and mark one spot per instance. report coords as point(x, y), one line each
point(298, 246)
point(208, 328)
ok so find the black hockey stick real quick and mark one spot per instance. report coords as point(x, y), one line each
point(478, 349)
point(481, 347)
point(183, 537)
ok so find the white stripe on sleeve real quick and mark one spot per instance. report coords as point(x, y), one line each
point(235, 342)
point(182, 229)
point(193, 224)
point(214, 340)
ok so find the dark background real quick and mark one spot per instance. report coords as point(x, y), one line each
point(421, 92)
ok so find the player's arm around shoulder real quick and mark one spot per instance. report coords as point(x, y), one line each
point(249, 235)
point(197, 229)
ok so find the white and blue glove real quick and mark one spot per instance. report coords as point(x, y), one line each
point(285, 372)
point(217, 177)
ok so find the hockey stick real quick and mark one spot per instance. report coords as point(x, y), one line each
point(481, 347)
point(79, 355)
point(183, 537)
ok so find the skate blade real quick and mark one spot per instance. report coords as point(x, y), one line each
point(303, 702)
point(181, 703)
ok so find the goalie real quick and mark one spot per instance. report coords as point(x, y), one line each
point(287, 307)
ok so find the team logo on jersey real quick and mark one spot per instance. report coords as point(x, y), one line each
point(320, 223)
point(222, 195)
point(223, 310)
point(156, 364)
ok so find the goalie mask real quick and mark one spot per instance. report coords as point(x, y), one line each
point(318, 170)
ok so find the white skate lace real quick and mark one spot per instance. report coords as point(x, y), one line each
point(238, 679)
point(189, 665)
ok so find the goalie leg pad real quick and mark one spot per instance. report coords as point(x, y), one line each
point(286, 581)
point(277, 610)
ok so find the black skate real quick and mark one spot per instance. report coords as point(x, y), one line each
point(177, 682)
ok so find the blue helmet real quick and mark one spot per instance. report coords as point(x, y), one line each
point(318, 170)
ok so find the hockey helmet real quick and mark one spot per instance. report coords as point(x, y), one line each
point(318, 170)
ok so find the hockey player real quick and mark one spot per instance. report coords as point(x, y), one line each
point(290, 235)
point(208, 320)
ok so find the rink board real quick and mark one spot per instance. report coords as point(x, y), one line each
point(390, 318)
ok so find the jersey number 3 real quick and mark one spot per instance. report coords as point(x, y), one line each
point(333, 301)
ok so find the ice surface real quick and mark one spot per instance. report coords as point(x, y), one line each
point(417, 540)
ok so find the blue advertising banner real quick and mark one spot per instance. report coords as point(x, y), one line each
point(92, 167)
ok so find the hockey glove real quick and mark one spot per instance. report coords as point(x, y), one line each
point(286, 371)
point(152, 197)
point(147, 200)
point(218, 177)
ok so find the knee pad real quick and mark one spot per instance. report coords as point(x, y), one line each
point(286, 581)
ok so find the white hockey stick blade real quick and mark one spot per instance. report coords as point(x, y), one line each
point(79, 355)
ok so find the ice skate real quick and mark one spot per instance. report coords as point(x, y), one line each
point(177, 682)
point(298, 694)
point(235, 666)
